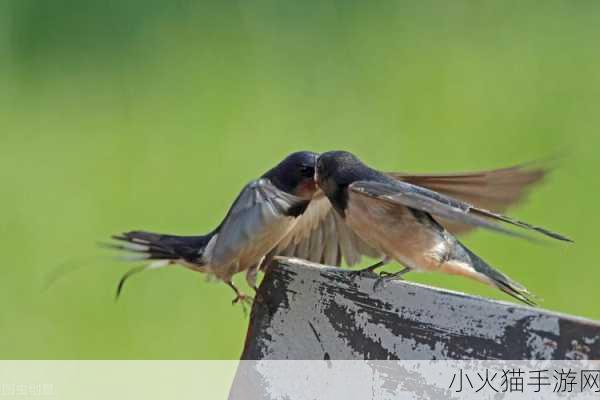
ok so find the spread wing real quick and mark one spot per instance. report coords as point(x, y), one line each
point(320, 235)
point(407, 195)
point(493, 190)
point(257, 217)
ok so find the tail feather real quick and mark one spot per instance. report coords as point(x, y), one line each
point(154, 246)
point(516, 291)
point(164, 249)
point(136, 270)
point(495, 277)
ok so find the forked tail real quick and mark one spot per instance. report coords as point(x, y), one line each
point(484, 272)
point(162, 249)
point(155, 246)
point(500, 280)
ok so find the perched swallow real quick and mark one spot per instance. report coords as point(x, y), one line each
point(321, 234)
point(412, 224)
point(283, 213)
point(264, 212)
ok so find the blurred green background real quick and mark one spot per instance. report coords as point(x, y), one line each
point(130, 114)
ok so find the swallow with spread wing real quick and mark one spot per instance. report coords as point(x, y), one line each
point(281, 213)
point(264, 212)
point(412, 219)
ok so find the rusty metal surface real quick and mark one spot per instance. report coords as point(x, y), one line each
point(311, 312)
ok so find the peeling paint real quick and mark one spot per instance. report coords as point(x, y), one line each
point(307, 311)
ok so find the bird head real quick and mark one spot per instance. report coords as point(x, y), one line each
point(336, 169)
point(295, 174)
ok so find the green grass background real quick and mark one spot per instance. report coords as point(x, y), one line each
point(118, 115)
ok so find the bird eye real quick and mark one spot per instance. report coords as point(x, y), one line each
point(307, 171)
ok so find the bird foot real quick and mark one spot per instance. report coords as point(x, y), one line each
point(365, 272)
point(244, 299)
point(369, 271)
point(385, 276)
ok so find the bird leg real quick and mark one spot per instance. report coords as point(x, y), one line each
point(394, 275)
point(240, 297)
point(388, 276)
point(251, 276)
point(370, 268)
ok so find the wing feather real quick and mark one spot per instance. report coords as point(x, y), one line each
point(320, 235)
point(495, 190)
point(439, 205)
point(256, 218)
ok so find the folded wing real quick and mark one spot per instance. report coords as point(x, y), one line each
point(439, 205)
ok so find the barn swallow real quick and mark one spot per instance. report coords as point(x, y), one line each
point(263, 213)
point(321, 235)
point(284, 207)
point(409, 223)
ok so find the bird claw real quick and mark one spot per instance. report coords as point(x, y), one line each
point(368, 271)
point(385, 276)
point(378, 283)
point(245, 300)
point(361, 273)
point(390, 275)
